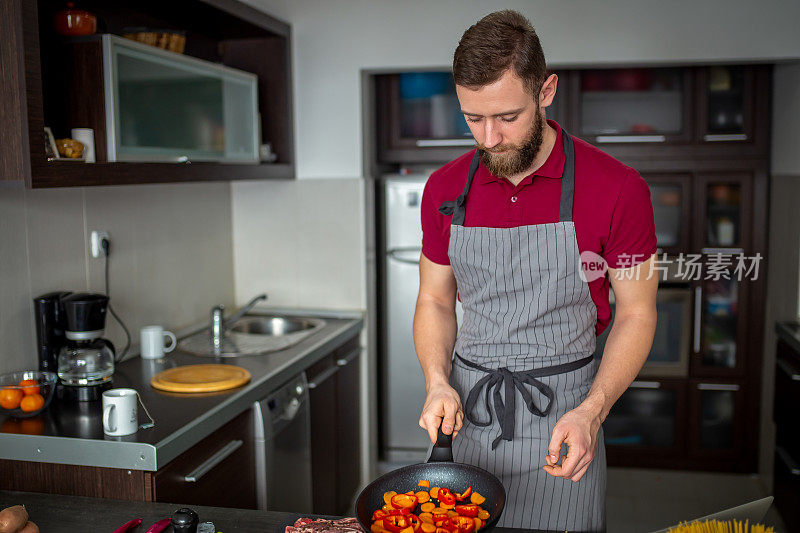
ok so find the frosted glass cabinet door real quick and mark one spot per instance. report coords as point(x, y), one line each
point(167, 107)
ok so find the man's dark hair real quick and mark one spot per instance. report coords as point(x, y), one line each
point(499, 41)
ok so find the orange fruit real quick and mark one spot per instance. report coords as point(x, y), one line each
point(30, 386)
point(32, 402)
point(10, 398)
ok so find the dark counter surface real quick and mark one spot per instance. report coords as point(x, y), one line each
point(54, 513)
point(73, 433)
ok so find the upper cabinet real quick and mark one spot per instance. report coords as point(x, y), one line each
point(633, 105)
point(635, 114)
point(219, 110)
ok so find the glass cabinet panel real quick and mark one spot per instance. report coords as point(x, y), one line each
point(631, 101)
point(668, 213)
point(723, 214)
point(720, 317)
point(163, 106)
point(643, 416)
point(429, 107)
point(669, 354)
point(726, 100)
point(717, 415)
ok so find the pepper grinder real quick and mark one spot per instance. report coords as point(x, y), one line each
point(184, 521)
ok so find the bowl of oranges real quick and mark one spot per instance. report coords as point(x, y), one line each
point(25, 394)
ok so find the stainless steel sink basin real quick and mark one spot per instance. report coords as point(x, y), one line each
point(253, 334)
point(273, 325)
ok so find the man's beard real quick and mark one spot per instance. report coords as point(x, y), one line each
point(517, 158)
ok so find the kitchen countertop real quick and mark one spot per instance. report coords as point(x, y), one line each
point(54, 513)
point(73, 433)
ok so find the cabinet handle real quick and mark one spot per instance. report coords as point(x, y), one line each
point(717, 386)
point(783, 365)
point(698, 316)
point(645, 385)
point(788, 461)
point(723, 251)
point(346, 360)
point(433, 143)
point(725, 137)
point(213, 461)
point(323, 377)
point(630, 139)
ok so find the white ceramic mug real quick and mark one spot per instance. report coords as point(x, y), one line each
point(86, 138)
point(120, 413)
point(152, 342)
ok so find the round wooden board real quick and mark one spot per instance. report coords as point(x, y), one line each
point(200, 378)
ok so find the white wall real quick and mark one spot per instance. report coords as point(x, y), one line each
point(335, 39)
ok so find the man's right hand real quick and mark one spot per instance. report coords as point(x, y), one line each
point(442, 407)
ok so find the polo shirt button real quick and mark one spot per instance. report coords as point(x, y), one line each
point(513, 199)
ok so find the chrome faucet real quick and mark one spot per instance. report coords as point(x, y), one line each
point(218, 322)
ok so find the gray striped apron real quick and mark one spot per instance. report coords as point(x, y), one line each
point(528, 328)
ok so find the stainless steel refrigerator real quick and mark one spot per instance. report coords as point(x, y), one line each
point(404, 384)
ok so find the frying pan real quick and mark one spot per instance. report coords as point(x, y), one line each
point(441, 471)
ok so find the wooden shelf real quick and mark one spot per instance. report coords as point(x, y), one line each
point(35, 77)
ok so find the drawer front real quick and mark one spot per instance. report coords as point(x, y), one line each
point(217, 471)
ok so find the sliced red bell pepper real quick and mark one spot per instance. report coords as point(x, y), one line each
point(446, 497)
point(379, 515)
point(404, 501)
point(463, 524)
point(464, 495)
point(414, 522)
point(471, 510)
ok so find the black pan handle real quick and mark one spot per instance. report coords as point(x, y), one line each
point(442, 451)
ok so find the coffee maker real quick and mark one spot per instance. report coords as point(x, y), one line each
point(70, 329)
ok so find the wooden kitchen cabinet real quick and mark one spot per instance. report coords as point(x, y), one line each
point(221, 469)
point(335, 429)
point(37, 73)
point(228, 482)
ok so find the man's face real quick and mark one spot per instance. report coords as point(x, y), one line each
point(506, 122)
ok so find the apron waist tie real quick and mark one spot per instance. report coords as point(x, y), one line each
point(504, 378)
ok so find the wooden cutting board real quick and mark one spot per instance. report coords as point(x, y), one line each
point(200, 378)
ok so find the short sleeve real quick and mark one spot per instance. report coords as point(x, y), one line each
point(632, 236)
point(435, 227)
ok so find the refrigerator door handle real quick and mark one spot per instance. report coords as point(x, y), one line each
point(408, 255)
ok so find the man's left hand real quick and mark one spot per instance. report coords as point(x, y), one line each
point(578, 429)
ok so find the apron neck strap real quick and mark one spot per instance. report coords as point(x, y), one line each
point(457, 208)
point(567, 179)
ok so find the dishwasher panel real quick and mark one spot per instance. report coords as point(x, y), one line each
point(283, 448)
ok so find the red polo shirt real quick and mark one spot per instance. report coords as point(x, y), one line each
point(612, 211)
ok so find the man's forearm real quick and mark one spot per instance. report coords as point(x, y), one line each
point(626, 351)
point(434, 337)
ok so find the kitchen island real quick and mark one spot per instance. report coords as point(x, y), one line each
point(54, 513)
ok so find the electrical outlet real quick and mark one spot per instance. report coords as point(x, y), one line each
point(97, 238)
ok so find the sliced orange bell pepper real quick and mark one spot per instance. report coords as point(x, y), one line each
point(424, 483)
point(404, 501)
point(477, 499)
point(464, 495)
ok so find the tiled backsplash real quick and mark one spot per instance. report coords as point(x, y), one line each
point(171, 256)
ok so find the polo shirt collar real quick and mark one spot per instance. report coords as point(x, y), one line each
point(553, 167)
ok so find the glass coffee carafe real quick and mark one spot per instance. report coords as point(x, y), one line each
point(86, 363)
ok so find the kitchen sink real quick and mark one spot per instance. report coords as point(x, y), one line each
point(273, 325)
point(252, 334)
